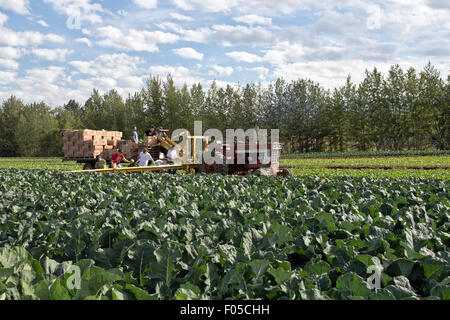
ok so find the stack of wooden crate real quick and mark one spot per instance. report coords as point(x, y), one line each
point(150, 141)
point(90, 143)
point(128, 148)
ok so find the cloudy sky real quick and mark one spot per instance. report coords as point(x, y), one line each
point(56, 50)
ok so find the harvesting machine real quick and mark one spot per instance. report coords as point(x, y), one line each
point(239, 158)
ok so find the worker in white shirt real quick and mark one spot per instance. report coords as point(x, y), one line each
point(144, 158)
point(172, 155)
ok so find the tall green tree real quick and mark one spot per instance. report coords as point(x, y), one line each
point(378, 111)
point(135, 108)
point(10, 112)
point(92, 116)
point(172, 105)
point(153, 96)
point(37, 132)
point(434, 100)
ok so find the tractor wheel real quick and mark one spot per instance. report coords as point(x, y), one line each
point(88, 166)
point(285, 173)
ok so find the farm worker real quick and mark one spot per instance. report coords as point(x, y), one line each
point(117, 158)
point(151, 132)
point(162, 133)
point(100, 163)
point(172, 155)
point(144, 158)
point(134, 136)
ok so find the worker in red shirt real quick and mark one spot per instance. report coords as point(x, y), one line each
point(117, 158)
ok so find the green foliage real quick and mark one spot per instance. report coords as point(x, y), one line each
point(355, 154)
point(421, 161)
point(39, 164)
point(158, 236)
point(398, 174)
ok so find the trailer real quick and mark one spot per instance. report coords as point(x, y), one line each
point(83, 146)
point(238, 158)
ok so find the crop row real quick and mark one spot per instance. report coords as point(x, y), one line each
point(440, 174)
point(147, 236)
point(350, 154)
point(385, 161)
point(395, 174)
point(39, 164)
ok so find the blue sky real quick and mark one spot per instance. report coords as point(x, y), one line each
point(57, 50)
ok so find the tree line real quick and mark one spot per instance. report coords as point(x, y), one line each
point(402, 110)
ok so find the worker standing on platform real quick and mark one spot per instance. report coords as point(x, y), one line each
point(134, 136)
point(172, 155)
point(151, 132)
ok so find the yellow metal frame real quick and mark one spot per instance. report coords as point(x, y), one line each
point(194, 143)
point(186, 167)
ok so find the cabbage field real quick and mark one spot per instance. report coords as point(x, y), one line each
point(160, 236)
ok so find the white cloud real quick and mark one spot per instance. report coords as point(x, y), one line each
point(7, 77)
point(332, 74)
point(220, 71)
point(43, 23)
point(181, 75)
point(109, 65)
point(133, 40)
point(188, 53)
point(84, 67)
point(52, 54)
point(146, 4)
point(252, 19)
point(206, 5)
point(335, 23)
point(10, 53)
point(226, 35)
point(133, 81)
point(54, 38)
point(229, 35)
point(3, 18)
point(103, 83)
point(18, 6)
point(438, 4)
point(26, 38)
point(56, 86)
point(42, 77)
point(85, 41)
point(252, 6)
point(261, 71)
point(285, 52)
point(180, 17)
point(44, 84)
point(84, 9)
point(200, 35)
point(9, 64)
point(244, 56)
